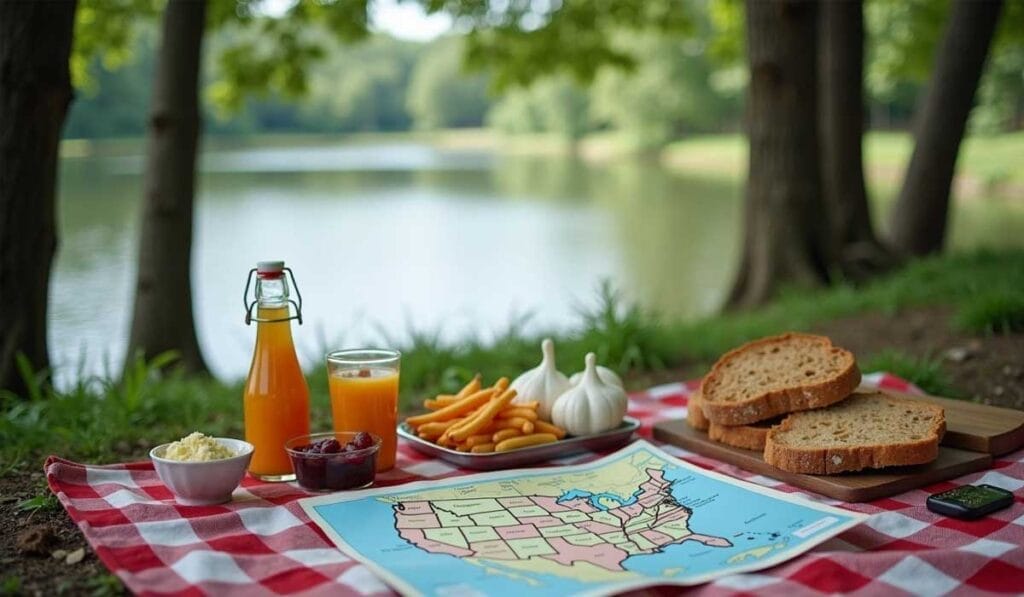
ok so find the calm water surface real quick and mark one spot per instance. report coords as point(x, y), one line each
point(388, 238)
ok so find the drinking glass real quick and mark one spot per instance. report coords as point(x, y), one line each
point(364, 396)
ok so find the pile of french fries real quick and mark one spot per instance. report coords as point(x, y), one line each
point(482, 420)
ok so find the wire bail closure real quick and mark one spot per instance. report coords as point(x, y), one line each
point(249, 305)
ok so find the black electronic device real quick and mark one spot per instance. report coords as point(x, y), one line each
point(969, 501)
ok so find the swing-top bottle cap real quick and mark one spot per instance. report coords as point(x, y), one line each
point(269, 267)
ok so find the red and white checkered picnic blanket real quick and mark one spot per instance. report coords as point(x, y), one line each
point(263, 543)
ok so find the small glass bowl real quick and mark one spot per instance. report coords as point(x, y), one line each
point(333, 471)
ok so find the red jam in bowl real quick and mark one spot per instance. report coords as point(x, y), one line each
point(334, 460)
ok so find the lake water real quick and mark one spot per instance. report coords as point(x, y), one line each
point(385, 238)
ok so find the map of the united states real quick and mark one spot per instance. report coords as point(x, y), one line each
point(598, 529)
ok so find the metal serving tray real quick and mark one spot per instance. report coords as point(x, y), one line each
point(523, 456)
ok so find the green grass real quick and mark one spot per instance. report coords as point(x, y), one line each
point(44, 502)
point(102, 421)
point(926, 372)
point(10, 585)
point(988, 159)
point(956, 280)
point(997, 312)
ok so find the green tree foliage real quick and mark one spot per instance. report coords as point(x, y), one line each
point(112, 102)
point(688, 74)
point(554, 104)
point(271, 54)
point(520, 41)
point(362, 87)
point(1001, 94)
point(354, 87)
point(673, 86)
point(441, 94)
point(106, 35)
point(902, 39)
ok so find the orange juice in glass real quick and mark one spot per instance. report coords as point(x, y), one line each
point(364, 396)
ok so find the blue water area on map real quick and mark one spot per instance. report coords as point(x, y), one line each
point(595, 498)
point(746, 518)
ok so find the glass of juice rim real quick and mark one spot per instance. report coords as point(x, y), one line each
point(364, 357)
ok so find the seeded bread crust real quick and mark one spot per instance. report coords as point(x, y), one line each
point(830, 460)
point(748, 437)
point(694, 415)
point(772, 403)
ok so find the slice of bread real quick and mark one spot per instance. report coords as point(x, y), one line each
point(748, 437)
point(871, 430)
point(777, 375)
point(694, 415)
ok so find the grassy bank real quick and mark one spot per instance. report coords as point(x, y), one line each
point(988, 165)
point(100, 420)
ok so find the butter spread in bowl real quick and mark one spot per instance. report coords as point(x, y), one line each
point(197, 447)
point(201, 470)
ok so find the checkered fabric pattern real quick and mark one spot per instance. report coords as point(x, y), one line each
point(263, 543)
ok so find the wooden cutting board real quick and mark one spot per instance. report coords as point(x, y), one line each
point(977, 427)
point(974, 433)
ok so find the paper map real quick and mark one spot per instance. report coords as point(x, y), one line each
point(634, 518)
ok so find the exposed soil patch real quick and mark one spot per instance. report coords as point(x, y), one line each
point(987, 369)
point(31, 542)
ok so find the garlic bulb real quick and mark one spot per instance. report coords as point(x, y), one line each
point(592, 406)
point(607, 376)
point(544, 383)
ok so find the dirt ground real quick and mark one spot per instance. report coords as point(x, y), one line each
point(986, 369)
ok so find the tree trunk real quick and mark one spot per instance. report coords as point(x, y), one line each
point(785, 242)
point(35, 92)
point(163, 318)
point(841, 117)
point(920, 214)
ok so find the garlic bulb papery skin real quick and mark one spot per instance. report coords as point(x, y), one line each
point(592, 406)
point(544, 383)
point(607, 376)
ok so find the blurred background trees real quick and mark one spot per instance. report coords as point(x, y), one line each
point(35, 92)
point(646, 73)
point(901, 40)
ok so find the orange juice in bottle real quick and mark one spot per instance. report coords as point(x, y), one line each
point(276, 396)
point(364, 396)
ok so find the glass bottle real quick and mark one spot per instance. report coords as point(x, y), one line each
point(276, 396)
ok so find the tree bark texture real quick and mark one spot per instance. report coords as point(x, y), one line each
point(35, 93)
point(841, 119)
point(785, 233)
point(919, 217)
point(163, 318)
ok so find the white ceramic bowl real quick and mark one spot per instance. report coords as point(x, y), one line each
point(203, 483)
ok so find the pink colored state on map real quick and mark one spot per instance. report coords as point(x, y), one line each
point(604, 555)
point(579, 504)
point(416, 521)
point(549, 503)
point(656, 517)
point(709, 540)
point(416, 537)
